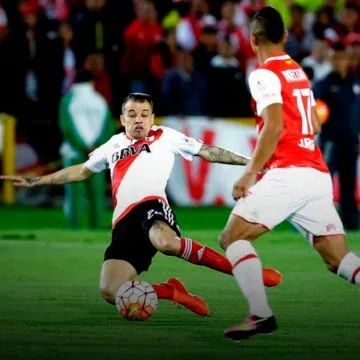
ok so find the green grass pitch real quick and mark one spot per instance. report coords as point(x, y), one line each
point(50, 307)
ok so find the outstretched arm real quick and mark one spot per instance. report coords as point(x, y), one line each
point(219, 155)
point(69, 174)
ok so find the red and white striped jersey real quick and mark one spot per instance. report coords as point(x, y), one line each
point(141, 168)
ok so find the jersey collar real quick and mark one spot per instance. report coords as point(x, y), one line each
point(282, 56)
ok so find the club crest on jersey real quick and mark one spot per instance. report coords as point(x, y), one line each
point(130, 151)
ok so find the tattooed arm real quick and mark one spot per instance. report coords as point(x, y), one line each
point(69, 174)
point(217, 154)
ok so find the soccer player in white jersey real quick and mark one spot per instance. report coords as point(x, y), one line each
point(140, 161)
point(297, 185)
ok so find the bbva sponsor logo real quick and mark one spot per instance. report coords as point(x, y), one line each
point(130, 151)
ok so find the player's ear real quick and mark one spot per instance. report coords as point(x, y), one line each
point(285, 37)
point(122, 120)
point(253, 41)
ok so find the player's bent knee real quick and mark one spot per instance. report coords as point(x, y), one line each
point(165, 244)
point(240, 229)
point(107, 294)
point(225, 240)
point(164, 239)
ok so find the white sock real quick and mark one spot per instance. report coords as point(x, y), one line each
point(349, 268)
point(247, 270)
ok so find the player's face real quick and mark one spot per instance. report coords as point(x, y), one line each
point(137, 119)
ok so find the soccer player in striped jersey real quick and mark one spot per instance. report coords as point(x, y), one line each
point(140, 162)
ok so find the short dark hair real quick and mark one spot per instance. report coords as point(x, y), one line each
point(268, 26)
point(84, 76)
point(138, 97)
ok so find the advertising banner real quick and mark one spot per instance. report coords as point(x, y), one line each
point(199, 182)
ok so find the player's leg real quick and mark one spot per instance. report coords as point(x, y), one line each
point(236, 240)
point(270, 201)
point(320, 223)
point(337, 257)
point(114, 273)
point(167, 241)
point(129, 254)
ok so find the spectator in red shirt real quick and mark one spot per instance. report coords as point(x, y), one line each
point(140, 37)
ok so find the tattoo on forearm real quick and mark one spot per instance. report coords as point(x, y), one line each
point(32, 179)
point(219, 155)
point(60, 179)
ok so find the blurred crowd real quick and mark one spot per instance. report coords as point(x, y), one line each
point(193, 56)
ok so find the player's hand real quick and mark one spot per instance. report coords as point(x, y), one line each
point(241, 187)
point(21, 181)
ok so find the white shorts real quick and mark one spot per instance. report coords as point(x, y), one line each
point(304, 196)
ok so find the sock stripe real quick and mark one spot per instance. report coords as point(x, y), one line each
point(244, 258)
point(355, 273)
point(187, 250)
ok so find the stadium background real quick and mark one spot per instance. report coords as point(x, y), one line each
point(49, 302)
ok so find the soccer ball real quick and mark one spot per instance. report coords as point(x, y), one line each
point(136, 300)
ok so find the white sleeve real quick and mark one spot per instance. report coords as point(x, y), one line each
point(98, 160)
point(265, 88)
point(183, 145)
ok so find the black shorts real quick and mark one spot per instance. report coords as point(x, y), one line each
point(130, 237)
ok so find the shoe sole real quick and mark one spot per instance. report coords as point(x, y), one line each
point(245, 335)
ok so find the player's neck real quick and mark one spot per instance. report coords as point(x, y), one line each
point(267, 51)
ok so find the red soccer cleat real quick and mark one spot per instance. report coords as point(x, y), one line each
point(271, 277)
point(192, 302)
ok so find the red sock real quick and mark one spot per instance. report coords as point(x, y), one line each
point(196, 253)
point(164, 291)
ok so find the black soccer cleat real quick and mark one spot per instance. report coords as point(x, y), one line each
point(251, 326)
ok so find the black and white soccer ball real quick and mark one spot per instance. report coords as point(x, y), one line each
point(136, 300)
